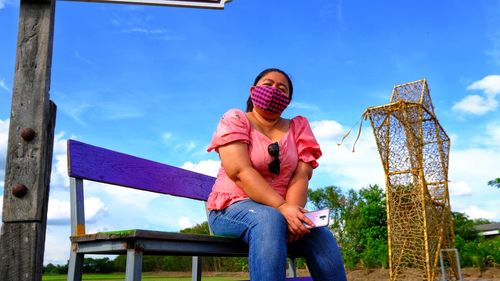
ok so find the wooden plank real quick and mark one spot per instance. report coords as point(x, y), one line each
point(158, 235)
point(162, 247)
point(20, 255)
point(29, 161)
point(108, 166)
point(29, 152)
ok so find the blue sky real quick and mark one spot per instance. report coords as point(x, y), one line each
point(154, 81)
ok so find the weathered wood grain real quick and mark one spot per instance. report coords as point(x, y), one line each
point(29, 157)
point(20, 255)
point(29, 162)
point(107, 166)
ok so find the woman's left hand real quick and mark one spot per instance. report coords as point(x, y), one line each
point(294, 215)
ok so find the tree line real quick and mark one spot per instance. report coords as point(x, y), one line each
point(359, 223)
point(360, 226)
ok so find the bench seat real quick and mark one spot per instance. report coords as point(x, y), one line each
point(158, 242)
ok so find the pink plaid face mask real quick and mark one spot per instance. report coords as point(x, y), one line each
point(269, 99)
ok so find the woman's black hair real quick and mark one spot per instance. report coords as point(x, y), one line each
point(264, 72)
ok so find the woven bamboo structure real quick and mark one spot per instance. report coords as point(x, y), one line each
point(414, 150)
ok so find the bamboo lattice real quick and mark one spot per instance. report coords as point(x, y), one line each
point(414, 150)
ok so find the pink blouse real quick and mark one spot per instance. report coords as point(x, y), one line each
point(298, 143)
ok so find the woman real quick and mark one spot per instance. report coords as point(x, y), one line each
point(261, 188)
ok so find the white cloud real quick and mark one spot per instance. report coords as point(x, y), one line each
point(481, 104)
point(2, 81)
point(489, 84)
point(475, 212)
point(207, 167)
point(327, 130)
point(493, 133)
point(59, 176)
point(59, 210)
point(459, 188)
point(184, 222)
point(475, 104)
point(122, 197)
point(339, 165)
point(94, 207)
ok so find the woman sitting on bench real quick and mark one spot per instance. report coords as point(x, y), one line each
point(261, 188)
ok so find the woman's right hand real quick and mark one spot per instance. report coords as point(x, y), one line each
point(294, 215)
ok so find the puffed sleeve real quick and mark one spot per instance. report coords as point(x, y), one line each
point(307, 147)
point(233, 126)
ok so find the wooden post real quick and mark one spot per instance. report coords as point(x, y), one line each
point(29, 153)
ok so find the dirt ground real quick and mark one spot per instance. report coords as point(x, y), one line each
point(468, 274)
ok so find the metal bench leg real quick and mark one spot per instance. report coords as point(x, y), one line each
point(133, 270)
point(75, 266)
point(196, 274)
point(292, 267)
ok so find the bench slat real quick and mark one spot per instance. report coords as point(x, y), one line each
point(107, 166)
point(160, 242)
point(154, 234)
point(163, 247)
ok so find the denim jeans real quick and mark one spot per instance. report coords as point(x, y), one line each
point(264, 229)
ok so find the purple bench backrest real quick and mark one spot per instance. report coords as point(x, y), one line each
point(102, 165)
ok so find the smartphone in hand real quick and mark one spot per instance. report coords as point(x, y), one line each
point(319, 218)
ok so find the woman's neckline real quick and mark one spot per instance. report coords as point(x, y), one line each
point(284, 122)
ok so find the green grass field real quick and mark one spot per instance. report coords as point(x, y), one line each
point(145, 276)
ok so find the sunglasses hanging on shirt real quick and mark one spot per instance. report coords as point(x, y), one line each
point(274, 151)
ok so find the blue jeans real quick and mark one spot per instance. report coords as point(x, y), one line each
point(264, 229)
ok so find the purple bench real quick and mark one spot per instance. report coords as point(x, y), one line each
point(87, 162)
